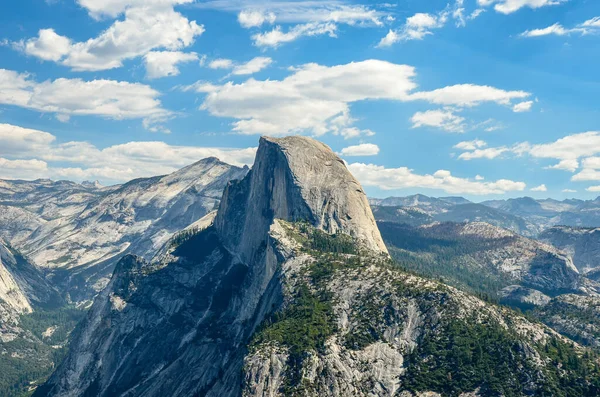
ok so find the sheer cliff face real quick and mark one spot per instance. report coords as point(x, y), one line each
point(181, 324)
point(200, 320)
point(295, 179)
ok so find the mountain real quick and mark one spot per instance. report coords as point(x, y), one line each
point(422, 212)
point(583, 244)
point(525, 215)
point(482, 258)
point(81, 246)
point(291, 291)
point(430, 205)
point(48, 199)
point(34, 323)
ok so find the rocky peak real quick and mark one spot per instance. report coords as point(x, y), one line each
point(295, 179)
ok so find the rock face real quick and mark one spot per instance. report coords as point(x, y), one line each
point(194, 309)
point(22, 284)
point(289, 291)
point(583, 244)
point(93, 227)
point(295, 179)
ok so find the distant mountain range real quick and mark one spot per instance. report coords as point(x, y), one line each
point(526, 216)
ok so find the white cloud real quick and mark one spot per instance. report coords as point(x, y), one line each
point(391, 38)
point(469, 95)
point(277, 36)
point(569, 147)
point(221, 63)
point(556, 29)
point(113, 8)
point(404, 178)
point(21, 169)
point(592, 23)
point(566, 165)
point(308, 18)
point(313, 99)
point(593, 189)
point(32, 154)
point(301, 11)
point(48, 46)
point(164, 63)
point(364, 149)
point(76, 97)
point(510, 6)
point(18, 140)
point(479, 178)
point(146, 26)
point(541, 188)
point(587, 27)
point(567, 150)
point(316, 99)
point(569, 191)
point(252, 66)
point(470, 145)
point(416, 28)
point(444, 119)
point(522, 107)
point(252, 19)
point(489, 153)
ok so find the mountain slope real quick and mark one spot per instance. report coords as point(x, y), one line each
point(481, 257)
point(583, 244)
point(137, 217)
point(34, 324)
point(291, 292)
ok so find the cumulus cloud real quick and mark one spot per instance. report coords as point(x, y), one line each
point(316, 99)
point(571, 151)
point(75, 97)
point(146, 26)
point(569, 191)
point(566, 165)
point(164, 63)
point(364, 149)
point(593, 189)
point(541, 188)
point(404, 178)
point(21, 169)
point(444, 119)
point(30, 154)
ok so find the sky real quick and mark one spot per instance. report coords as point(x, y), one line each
point(479, 98)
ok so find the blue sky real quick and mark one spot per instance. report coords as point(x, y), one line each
point(480, 98)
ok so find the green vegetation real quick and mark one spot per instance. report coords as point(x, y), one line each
point(583, 319)
point(27, 361)
point(464, 355)
point(451, 355)
point(445, 257)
